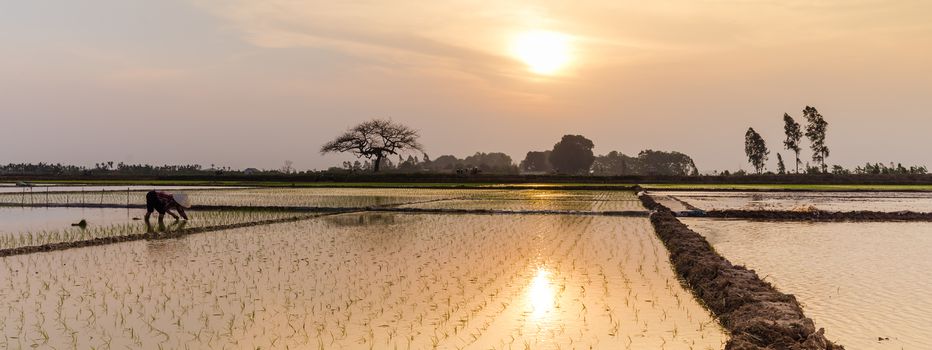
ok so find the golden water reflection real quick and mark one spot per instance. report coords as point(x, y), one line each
point(541, 294)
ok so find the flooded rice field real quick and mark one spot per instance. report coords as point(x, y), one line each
point(363, 281)
point(25, 219)
point(828, 201)
point(861, 281)
point(532, 205)
point(354, 198)
point(34, 226)
point(12, 188)
point(261, 197)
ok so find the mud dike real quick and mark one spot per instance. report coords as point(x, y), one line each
point(819, 215)
point(757, 314)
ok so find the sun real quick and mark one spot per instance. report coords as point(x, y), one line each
point(544, 52)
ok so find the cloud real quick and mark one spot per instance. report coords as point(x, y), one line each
point(472, 36)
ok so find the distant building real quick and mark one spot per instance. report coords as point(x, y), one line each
point(250, 171)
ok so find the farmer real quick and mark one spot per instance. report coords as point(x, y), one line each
point(163, 203)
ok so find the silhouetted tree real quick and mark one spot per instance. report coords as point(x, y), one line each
point(815, 130)
point(616, 163)
point(755, 149)
point(536, 162)
point(494, 162)
point(793, 135)
point(288, 168)
point(375, 139)
point(651, 162)
point(781, 168)
point(572, 155)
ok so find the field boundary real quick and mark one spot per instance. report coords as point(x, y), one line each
point(757, 315)
point(826, 216)
point(631, 213)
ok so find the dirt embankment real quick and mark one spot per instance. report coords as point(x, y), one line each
point(757, 315)
point(819, 215)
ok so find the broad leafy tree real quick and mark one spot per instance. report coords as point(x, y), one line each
point(815, 131)
point(572, 155)
point(375, 140)
point(536, 162)
point(793, 135)
point(666, 163)
point(756, 150)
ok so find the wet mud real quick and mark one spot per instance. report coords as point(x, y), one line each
point(829, 216)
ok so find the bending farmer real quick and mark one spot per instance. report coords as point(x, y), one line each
point(163, 203)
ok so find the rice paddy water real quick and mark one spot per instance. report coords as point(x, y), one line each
point(357, 280)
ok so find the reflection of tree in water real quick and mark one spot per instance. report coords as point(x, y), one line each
point(366, 219)
point(379, 231)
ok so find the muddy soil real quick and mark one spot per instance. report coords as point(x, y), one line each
point(820, 215)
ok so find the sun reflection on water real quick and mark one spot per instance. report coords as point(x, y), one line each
point(541, 294)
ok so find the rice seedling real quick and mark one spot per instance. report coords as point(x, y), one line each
point(373, 280)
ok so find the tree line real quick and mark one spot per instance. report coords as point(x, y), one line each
point(816, 128)
point(107, 167)
point(377, 140)
point(755, 148)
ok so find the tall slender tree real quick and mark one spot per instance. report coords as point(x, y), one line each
point(793, 135)
point(816, 128)
point(756, 150)
point(781, 167)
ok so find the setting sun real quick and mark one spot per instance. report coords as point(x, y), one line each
point(544, 52)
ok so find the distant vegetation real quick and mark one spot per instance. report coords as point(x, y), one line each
point(378, 139)
point(390, 147)
point(108, 168)
point(755, 148)
point(573, 155)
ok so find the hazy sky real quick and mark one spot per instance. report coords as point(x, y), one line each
point(250, 83)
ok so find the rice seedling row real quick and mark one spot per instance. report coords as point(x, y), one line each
point(313, 197)
point(12, 242)
point(363, 281)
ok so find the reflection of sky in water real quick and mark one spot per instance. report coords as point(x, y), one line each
point(830, 201)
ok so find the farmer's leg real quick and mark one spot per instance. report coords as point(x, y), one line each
point(152, 202)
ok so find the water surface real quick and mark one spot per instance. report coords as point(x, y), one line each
point(860, 281)
point(829, 201)
point(360, 281)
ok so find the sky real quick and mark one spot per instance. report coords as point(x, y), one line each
point(249, 83)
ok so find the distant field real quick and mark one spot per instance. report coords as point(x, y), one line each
point(789, 187)
point(333, 184)
point(504, 185)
